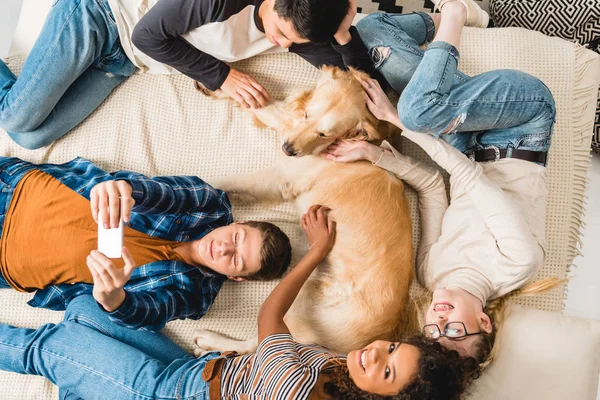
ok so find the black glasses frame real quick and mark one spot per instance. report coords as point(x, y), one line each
point(445, 333)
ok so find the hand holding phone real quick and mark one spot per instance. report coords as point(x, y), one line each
point(115, 199)
point(109, 281)
point(110, 241)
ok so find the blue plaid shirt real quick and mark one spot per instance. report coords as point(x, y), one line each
point(178, 208)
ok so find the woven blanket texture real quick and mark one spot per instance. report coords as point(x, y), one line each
point(160, 125)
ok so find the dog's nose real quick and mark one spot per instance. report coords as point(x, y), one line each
point(288, 149)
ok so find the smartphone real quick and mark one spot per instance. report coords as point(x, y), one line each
point(110, 241)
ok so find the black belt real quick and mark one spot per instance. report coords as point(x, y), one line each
point(495, 154)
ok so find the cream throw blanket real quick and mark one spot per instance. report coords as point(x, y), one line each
point(159, 125)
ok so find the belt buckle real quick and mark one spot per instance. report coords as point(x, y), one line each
point(496, 152)
point(471, 153)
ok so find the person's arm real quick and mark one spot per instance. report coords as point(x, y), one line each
point(130, 191)
point(320, 230)
point(427, 181)
point(153, 309)
point(352, 54)
point(159, 35)
point(346, 49)
point(514, 238)
point(148, 309)
point(433, 200)
point(355, 54)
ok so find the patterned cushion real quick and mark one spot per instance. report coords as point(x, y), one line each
point(577, 21)
point(403, 6)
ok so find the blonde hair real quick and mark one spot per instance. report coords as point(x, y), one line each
point(497, 310)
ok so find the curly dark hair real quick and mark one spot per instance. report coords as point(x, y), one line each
point(443, 374)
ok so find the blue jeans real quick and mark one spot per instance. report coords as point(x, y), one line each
point(75, 64)
point(90, 357)
point(505, 109)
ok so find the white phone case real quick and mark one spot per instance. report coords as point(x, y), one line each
point(110, 241)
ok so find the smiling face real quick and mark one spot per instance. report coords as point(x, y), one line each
point(383, 367)
point(334, 109)
point(232, 250)
point(277, 30)
point(456, 305)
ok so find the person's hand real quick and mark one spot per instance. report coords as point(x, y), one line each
point(343, 36)
point(319, 229)
point(114, 200)
point(108, 279)
point(378, 102)
point(348, 151)
point(245, 90)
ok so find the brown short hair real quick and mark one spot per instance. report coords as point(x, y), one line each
point(275, 254)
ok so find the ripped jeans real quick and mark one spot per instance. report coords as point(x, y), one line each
point(74, 65)
point(503, 109)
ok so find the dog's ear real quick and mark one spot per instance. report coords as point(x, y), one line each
point(369, 129)
point(331, 72)
point(358, 75)
point(297, 102)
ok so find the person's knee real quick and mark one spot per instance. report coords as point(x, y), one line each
point(413, 114)
point(369, 28)
point(19, 122)
point(30, 140)
point(427, 115)
point(534, 89)
point(81, 306)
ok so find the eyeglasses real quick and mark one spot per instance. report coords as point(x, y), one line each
point(452, 330)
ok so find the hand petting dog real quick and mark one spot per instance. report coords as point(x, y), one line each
point(246, 90)
point(381, 107)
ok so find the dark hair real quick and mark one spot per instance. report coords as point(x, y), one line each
point(442, 375)
point(483, 346)
point(314, 20)
point(275, 254)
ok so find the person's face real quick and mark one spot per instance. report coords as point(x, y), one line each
point(278, 31)
point(453, 306)
point(232, 250)
point(383, 367)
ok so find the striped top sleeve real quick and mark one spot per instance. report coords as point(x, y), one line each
point(280, 369)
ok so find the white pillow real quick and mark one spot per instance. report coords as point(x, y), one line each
point(545, 355)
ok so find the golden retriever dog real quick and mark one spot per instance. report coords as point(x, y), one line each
point(360, 293)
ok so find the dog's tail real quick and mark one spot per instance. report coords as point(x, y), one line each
point(217, 94)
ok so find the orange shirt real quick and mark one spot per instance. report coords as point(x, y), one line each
point(49, 232)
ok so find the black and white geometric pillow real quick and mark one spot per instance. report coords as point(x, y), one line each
point(574, 20)
point(403, 6)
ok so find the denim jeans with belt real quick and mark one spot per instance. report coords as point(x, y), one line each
point(90, 357)
point(75, 64)
point(502, 109)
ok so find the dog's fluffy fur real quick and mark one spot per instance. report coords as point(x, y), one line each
point(361, 292)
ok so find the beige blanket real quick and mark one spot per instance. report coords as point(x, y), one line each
point(159, 125)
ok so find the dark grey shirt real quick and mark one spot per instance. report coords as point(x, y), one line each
point(195, 37)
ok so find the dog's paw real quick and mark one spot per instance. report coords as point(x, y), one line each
point(198, 352)
point(208, 340)
point(287, 191)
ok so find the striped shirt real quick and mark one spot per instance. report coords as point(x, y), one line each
point(280, 369)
